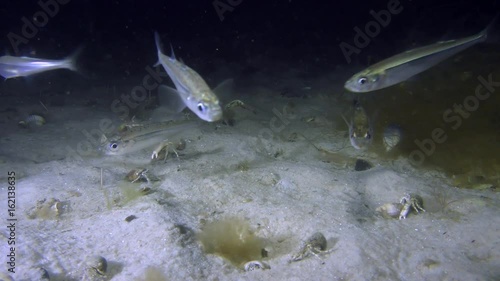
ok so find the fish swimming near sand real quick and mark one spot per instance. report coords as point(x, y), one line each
point(360, 127)
point(132, 138)
point(190, 87)
point(33, 120)
point(11, 66)
point(401, 67)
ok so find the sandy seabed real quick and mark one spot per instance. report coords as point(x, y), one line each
point(257, 171)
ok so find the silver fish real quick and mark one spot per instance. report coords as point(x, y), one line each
point(11, 67)
point(360, 127)
point(400, 67)
point(190, 87)
point(132, 138)
point(33, 120)
point(392, 136)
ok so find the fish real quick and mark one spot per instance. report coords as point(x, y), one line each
point(11, 67)
point(33, 120)
point(360, 127)
point(401, 67)
point(135, 137)
point(189, 86)
point(171, 103)
point(392, 136)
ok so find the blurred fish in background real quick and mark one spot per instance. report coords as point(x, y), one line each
point(360, 127)
point(11, 66)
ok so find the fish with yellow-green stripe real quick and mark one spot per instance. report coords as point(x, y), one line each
point(400, 67)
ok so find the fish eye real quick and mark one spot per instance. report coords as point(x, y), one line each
point(201, 107)
point(113, 145)
point(368, 135)
point(362, 80)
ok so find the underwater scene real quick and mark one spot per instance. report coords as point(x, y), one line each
point(249, 140)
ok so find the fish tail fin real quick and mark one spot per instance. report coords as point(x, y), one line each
point(70, 61)
point(158, 47)
point(487, 31)
point(158, 42)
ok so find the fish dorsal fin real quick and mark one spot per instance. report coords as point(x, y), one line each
point(172, 51)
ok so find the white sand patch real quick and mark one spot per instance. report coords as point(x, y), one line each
point(283, 188)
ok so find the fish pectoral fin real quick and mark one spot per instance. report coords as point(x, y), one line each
point(7, 73)
point(224, 89)
point(345, 120)
point(170, 100)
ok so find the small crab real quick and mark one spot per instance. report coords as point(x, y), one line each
point(390, 210)
point(95, 268)
point(315, 245)
point(228, 112)
point(98, 264)
point(166, 146)
point(409, 201)
point(253, 265)
point(138, 175)
point(141, 175)
point(47, 209)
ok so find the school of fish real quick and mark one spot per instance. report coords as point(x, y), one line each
point(192, 91)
